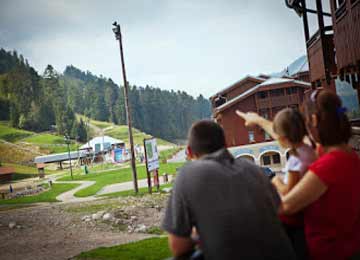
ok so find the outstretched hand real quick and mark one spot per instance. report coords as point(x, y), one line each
point(251, 118)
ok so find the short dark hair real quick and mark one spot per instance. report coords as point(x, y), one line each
point(333, 124)
point(206, 137)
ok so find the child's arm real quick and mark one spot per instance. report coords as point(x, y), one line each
point(283, 188)
point(252, 118)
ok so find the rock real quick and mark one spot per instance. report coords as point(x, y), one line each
point(84, 218)
point(87, 220)
point(12, 225)
point(167, 190)
point(98, 215)
point(117, 221)
point(107, 217)
point(133, 218)
point(140, 228)
point(18, 227)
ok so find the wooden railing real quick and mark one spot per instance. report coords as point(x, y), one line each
point(278, 101)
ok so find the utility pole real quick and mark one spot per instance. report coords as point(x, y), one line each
point(118, 37)
point(67, 140)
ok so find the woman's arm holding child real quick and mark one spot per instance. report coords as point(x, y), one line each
point(284, 188)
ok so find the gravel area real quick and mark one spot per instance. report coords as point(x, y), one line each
point(57, 231)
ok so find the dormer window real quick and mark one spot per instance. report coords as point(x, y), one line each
point(219, 100)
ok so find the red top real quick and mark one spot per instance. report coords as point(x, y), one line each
point(332, 223)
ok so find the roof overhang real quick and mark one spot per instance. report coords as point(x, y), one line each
point(235, 85)
point(261, 87)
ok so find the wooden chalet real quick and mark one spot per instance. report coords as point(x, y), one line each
point(261, 94)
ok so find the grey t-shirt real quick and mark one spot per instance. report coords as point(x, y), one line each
point(233, 207)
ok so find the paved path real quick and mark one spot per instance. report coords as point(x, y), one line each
point(69, 195)
point(117, 187)
point(179, 157)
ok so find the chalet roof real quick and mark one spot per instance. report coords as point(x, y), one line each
point(299, 65)
point(247, 77)
point(101, 139)
point(269, 82)
point(273, 81)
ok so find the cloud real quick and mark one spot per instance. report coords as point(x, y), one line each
point(196, 46)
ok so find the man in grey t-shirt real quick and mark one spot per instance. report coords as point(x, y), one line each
point(232, 205)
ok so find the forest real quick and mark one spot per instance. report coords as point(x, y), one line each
point(50, 101)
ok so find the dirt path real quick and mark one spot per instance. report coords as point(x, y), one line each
point(51, 232)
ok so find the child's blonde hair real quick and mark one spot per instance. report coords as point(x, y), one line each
point(290, 124)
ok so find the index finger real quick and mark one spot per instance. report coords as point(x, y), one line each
point(241, 114)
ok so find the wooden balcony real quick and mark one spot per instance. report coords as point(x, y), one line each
point(278, 101)
point(347, 35)
point(321, 55)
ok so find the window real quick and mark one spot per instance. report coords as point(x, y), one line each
point(292, 90)
point(267, 136)
point(262, 94)
point(277, 92)
point(251, 137)
point(266, 160)
point(276, 158)
point(264, 113)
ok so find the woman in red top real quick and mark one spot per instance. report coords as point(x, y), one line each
point(329, 193)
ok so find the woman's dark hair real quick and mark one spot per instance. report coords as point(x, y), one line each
point(290, 124)
point(333, 126)
point(206, 137)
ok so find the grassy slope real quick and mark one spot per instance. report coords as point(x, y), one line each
point(121, 132)
point(11, 134)
point(47, 196)
point(23, 172)
point(12, 154)
point(149, 249)
point(50, 143)
point(116, 176)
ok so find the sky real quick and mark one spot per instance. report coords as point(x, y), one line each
point(198, 46)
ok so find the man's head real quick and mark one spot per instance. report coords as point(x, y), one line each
point(205, 137)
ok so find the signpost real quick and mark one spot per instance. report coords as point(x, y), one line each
point(152, 162)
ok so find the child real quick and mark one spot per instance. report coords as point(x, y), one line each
point(289, 129)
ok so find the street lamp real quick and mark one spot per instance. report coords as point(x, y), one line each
point(67, 141)
point(118, 37)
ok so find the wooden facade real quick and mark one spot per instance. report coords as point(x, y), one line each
point(266, 98)
point(334, 50)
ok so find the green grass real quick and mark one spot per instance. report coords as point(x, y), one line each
point(100, 124)
point(142, 191)
point(44, 139)
point(121, 132)
point(11, 134)
point(101, 167)
point(50, 143)
point(116, 176)
point(47, 196)
point(147, 249)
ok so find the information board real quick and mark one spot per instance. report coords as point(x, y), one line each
point(151, 153)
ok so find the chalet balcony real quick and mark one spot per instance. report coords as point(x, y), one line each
point(278, 101)
point(347, 35)
point(321, 55)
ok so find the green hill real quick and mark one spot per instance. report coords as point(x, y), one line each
point(97, 128)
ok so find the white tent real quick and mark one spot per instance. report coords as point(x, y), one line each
point(101, 143)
